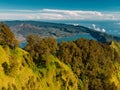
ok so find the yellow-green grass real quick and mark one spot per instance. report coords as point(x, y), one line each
point(116, 75)
point(26, 76)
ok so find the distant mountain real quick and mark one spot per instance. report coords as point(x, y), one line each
point(24, 28)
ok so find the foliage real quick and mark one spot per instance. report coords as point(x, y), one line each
point(77, 65)
point(7, 37)
point(18, 72)
point(91, 61)
point(41, 48)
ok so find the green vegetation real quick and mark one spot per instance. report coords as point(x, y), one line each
point(45, 65)
point(40, 49)
point(92, 62)
point(7, 37)
point(19, 72)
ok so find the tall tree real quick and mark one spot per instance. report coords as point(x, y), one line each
point(7, 37)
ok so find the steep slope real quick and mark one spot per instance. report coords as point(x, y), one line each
point(96, 64)
point(116, 46)
point(116, 76)
point(77, 65)
point(15, 68)
point(18, 72)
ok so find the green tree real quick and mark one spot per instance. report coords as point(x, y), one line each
point(41, 49)
point(30, 44)
point(90, 60)
point(7, 37)
point(52, 44)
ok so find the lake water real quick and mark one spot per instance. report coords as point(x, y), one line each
point(72, 38)
point(110, 27)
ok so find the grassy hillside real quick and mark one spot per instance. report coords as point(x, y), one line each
point(116, 75)
point(18, 72)
point(46, 65)
point(116, 46)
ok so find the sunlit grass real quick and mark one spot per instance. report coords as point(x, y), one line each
point(25, 75)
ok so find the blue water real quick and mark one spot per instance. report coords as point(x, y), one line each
point(110, 27)
point(72, 38)
point(23, 44)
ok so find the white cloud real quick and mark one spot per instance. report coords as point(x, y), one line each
point(103, 30)
point(97, 28)
point(55, 14)
point(73, 12)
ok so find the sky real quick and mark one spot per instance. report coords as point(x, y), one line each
point(59, 9)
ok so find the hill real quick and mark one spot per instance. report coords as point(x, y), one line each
point(46, 65)
point(23, 28)
point(18, 72)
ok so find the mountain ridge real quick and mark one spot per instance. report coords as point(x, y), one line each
point(56, 30)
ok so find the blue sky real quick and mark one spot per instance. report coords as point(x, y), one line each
point(101, 5)
point(60, 9)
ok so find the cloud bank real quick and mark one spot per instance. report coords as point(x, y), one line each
point(55, 14)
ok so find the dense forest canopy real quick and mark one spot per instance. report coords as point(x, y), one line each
point(77, 65)
point(91, 61)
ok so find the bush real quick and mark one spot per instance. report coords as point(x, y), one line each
point(5, 67)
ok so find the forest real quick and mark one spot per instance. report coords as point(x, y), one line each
point(88, 64)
